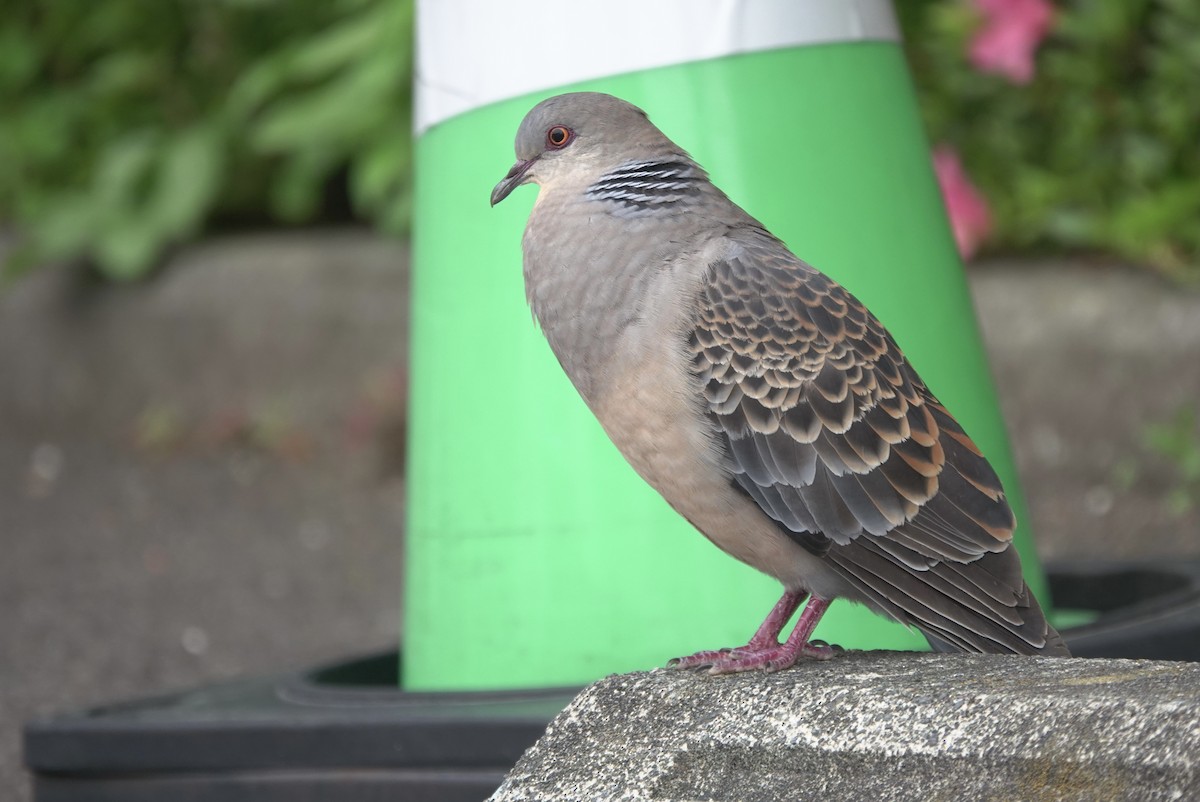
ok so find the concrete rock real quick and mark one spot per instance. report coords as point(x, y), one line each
point(879, 726)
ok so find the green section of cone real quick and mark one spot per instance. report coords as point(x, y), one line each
point(536, 556)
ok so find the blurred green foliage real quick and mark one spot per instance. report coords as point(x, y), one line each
point(125, 125)
point(1101, 151)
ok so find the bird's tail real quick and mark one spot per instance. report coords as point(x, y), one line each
point(981, 606)
point(1032, 615)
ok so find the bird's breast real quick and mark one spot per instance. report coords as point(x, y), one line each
point(587, 280)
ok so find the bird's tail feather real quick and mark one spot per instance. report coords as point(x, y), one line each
point(932, 599)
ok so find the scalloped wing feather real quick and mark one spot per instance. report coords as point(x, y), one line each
point(831, 431)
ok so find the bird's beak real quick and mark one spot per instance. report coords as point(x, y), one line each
point(515, 177)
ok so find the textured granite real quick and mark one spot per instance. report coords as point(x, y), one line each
point(878, 726)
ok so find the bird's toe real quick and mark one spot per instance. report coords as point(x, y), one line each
point(700, 659)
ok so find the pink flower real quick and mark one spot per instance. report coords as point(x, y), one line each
point(969, 215)
point(1009, 36)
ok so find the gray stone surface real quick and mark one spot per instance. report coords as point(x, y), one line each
point(878, 726)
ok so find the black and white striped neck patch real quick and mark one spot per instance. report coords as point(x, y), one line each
point(648, 185)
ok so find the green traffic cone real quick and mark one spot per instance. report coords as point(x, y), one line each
point(535, 555)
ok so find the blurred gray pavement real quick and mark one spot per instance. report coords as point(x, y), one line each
point(201, 476)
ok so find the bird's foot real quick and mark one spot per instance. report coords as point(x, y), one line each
point(751, 657)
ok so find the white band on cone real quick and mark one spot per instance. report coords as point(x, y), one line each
point(474, 52)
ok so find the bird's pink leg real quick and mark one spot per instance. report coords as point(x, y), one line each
point(764, 649)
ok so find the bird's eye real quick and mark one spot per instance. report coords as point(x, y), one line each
point(558, 136)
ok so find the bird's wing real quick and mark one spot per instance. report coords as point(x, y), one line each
point(830, 430)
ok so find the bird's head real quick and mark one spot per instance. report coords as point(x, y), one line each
point(578, 135)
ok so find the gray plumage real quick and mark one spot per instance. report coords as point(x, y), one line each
point(759, 397)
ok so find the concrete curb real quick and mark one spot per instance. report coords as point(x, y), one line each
point(878, 726)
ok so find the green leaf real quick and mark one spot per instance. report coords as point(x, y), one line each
point(1145, 217)
point(123, 169)
point(122, 72)
point(339, 111)
point(127, 249)
point(382, 171)
point(66, 227)
point(18, 59)
point(188, 179)
point(344, 44)
point(296, 193)
point(1073, 226)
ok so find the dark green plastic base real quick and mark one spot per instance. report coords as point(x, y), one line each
point(336, 733)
